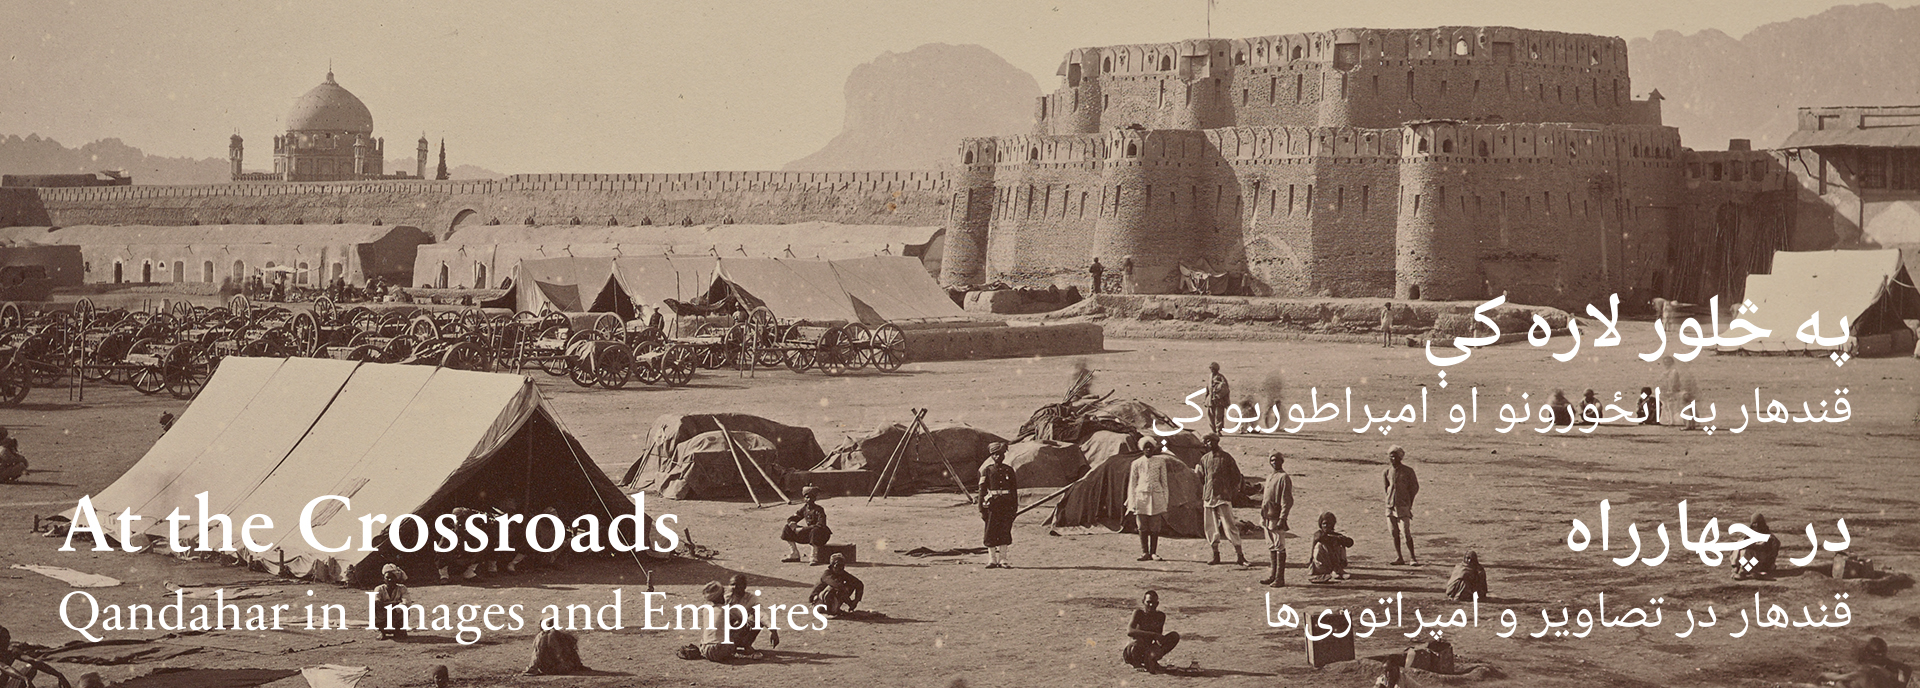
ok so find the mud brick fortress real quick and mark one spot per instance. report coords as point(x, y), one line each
point(1455, 163)
point(1452, 163)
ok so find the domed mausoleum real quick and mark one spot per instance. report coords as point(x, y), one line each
point(329, 138)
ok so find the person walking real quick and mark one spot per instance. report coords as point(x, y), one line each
point(999, 501)
point(1402, 486)
point(1220, 482)
point(1276, 504)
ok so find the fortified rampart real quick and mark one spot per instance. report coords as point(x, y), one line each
point(898, 198)
point(1347, 77)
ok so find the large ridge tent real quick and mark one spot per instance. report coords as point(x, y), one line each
point(268, 436)
point(1870, 288)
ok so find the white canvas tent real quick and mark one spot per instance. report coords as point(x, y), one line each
point(267, 436)
point(1871, 289)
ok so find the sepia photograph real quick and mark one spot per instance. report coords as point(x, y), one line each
point(959, 344)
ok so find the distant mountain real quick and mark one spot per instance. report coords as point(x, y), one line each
point(910, 110)
point(36, 155)
point(1719, 88)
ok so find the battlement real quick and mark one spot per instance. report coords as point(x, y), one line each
point(1374, 78)
point(1348, 48)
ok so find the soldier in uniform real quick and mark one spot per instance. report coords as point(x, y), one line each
point(807, 526)
point(999, 500)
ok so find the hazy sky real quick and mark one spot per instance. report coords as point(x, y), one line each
point(623, 86)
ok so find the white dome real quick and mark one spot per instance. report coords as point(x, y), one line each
point(328, 107)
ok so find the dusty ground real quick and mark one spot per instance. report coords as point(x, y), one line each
point(1059, 619)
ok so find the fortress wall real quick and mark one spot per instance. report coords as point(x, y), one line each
point(1348, 77)
point(907, 197)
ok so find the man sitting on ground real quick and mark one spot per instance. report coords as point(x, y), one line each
point(9, 655)
point(741, 619)
point(1877, 670)
point(1758, 560)
point(1469, 579)
point(1328, 563)
point(1151, 640)
point(840, 592)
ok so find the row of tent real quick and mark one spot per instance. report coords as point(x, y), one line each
point(870, 290)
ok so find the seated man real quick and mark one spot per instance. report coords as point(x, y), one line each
point(741, 619)
point(1468, 579)
point(1151, 640)
point(8, 656)
point(12, 464)
point(388, 600)
point(555, 653)
point(1757, 561)
point(807, 526)
point(838, 590)
point(1877, 670)
point(713, 639)
point(1328, 562)
point(460, 560)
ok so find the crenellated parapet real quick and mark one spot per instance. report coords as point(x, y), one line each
point(1347, 77)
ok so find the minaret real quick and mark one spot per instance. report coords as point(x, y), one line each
point(420, 157)
point(235, 152)
point(360, 150)
point(442, 173)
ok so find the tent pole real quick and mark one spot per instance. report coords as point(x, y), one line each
point(888, 466)
point(743, 469)
point(1047, 498)
point(904, 441)
point(756, 462)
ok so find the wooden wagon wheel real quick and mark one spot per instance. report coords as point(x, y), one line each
point(424, 327)
point(832, 353)
point(858, 342)
point(10, 316)
point(798, 360)
point(615, 365)
point(185, 375)
point(324, 308)
point(580, 362)
point(888, 350)
point(304, 332)
point(676, 367)
point(647, 368)
point(14, 385)
point(465, 356)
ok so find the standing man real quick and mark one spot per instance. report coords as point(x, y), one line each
point(999, 501)
point(1218, 398)
point(1402, 486)
point(1147, 496)
point(1220, 482)
point(1096, 270)
point(1276, 503)
point(1386, 325)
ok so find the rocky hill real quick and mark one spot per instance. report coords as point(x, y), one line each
point(1718, 87)
point(910, 110)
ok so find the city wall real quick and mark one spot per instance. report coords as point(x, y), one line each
point(897, 198)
